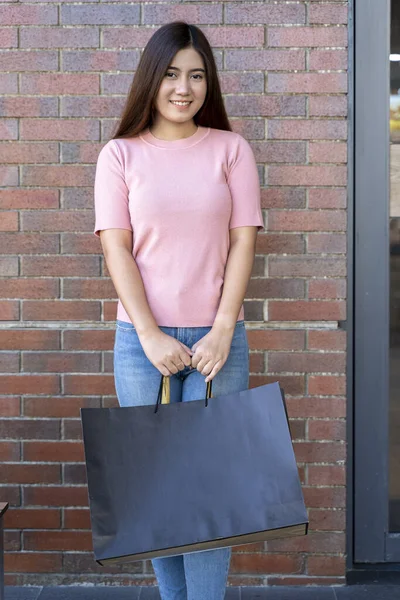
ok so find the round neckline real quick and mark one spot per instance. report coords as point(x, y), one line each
point(196, 137)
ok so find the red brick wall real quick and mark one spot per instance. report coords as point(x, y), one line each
point(66, 71)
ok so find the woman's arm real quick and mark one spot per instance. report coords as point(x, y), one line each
point(166, 353)
point(211, 352)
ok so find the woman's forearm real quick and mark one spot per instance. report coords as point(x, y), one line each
point(237, 275)
point(129, 286)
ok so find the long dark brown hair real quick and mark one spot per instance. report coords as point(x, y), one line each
point(153, 65)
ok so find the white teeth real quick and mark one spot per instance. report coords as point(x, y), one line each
point(181, 103)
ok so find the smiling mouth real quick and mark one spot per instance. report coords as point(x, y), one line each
point(181, 103)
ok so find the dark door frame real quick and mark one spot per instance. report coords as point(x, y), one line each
point(372, 551)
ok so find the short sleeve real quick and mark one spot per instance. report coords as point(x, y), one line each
point(111, 194)
point(244, 186)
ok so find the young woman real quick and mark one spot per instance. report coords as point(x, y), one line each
point(177, 204)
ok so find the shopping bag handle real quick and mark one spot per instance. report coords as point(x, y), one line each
point(208, 393)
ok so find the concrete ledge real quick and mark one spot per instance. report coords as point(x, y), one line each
point(353, 592)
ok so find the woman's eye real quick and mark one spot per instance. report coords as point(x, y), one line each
point(198, 77)
point(168, 74)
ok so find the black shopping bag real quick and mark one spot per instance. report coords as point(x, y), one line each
point(166, 479)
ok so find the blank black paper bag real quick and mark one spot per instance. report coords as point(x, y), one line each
point(166, 479)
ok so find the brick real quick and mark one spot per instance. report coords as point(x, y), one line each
point(12, 493)
point(324, 497)
point(275, 288)
point(201, 13)
point(12, 541)
point(91, 107)
point(9, 362)
point(9, 452)
point(61, 407)
point(326, 565)
point(73, 198)
point(325, 452)
point(57, 175)
point(272, 60)
point(327, 429)
point(292, 384)
point(53, 452)
point(307, 37)
point(78, 243)
point(30, 562)
point(8, 37)
point(22, 198)
point(257, 362)
point(279, 152)
point(106, 14)
point(109, 311)
point(57, 221)
point(327, 14)
point(93, 288)
point(45, 310)
point(326, 243)
point(299, 310)
point(283, 198)
point(20, 152)
point(23, 60)
point(97, 384)
point(8, 221)
point(303, 83)
point(330, 520)
point(306, 362)
point(9, 406)
point(258, 266)
point(73, 474)
point(327, 289)
point(8, 175)
point(108, 362)
point(276, 243)
point(9, 83)
point(58, 130)
point(32, 518)
point(59, 37)
point(237, 82)
point(327, 152)
point(276, 340)
point(77, 519)
point(58, 540)
point(254, 310)
point(306, 266)
point(22, 473)
point(332, 60)
point(92, 60)
point(259, 12)
point(29, 288)
point(28, 243)
point(47, 362)
point(8, 131)
point(264, 563)
point(60, 83)
point(28, 15)
point(317, 542)
point(327, 340)
point(308, 175)
point(72, 429)
point(265, 106)
point(328, 106)
point(56, 496)
point(28, 384)
point(9, 310)
point(79, 339)
point(61, 266)
point(306, 220)
point(326, 386)
point(296, 129)
point(327, 198)
point(316, 407)
point(29, 339)
point(8, 266)
point(27, 429)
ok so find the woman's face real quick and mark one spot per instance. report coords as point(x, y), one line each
point(184, 82)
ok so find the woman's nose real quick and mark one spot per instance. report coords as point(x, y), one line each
point(182, 86)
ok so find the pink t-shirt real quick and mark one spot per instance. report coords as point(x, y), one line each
point(179, 198)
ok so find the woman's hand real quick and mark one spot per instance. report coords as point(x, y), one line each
point(211, 351)
point(165, 352)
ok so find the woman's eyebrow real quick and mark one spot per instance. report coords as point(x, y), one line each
point(190, 70)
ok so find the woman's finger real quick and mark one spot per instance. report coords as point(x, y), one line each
point(217, 367)
point(208, 367)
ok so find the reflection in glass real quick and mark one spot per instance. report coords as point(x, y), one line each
point(394, 225)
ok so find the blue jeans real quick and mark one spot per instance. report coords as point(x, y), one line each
point(195, 575)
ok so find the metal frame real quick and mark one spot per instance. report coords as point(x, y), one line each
point(372, 543)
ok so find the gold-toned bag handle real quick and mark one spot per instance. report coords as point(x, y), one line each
point(164, 392)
